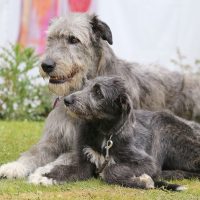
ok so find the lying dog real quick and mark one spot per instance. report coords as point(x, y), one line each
point(128, 147)
point(78, 47)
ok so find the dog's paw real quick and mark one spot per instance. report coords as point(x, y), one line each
point(144, 181)
point(147, 181)
point(13, 170)
point(39, 178)
point(58, 173)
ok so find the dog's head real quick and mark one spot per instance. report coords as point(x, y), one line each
point(73, 51)
point(102, 98)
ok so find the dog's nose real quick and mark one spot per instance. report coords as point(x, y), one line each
point(69, 100)
point(48, 65)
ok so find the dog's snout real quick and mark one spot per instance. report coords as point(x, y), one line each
point(69, 100)
point(48, 65)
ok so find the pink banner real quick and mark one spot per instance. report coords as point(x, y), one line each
point(36, 15)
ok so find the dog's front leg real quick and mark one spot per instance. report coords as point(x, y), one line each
point(37, 177)
point(38, 155)
point(136, 173)
point(58, 137)
point(74, 172)
point(124, 175)
point(135, 176)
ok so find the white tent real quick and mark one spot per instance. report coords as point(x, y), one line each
point(146, 31)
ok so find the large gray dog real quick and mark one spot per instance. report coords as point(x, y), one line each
point(77, 48)
point(125, 144)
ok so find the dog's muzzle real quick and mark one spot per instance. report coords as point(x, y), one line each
point(69, 100)
point(48, 65)
point(64, 78)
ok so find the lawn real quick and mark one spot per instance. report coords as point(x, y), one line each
point(17, 137)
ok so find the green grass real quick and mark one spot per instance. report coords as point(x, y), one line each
point(16, 137)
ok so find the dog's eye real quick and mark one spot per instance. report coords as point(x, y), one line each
point(49, 39)
point(97, 91)
point(73, 40)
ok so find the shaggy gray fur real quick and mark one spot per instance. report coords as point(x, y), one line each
point(77, 48)
point(144, 142)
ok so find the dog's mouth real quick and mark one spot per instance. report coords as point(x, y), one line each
point(58, 79)
point(77, 114)
point(63, 79)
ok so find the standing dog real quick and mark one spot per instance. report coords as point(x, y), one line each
point(123, 143)
point(78, 48)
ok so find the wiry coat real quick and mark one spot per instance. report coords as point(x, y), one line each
point(152, 143)
point(151, 87)
point(78, 48)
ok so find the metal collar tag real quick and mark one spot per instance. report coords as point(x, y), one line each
point(109, 144)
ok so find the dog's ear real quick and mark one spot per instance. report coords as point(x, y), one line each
point(101, 29)
point(124, 103)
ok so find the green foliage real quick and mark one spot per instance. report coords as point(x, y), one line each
point(21, 96)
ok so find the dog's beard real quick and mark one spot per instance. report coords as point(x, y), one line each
point(75, 112)
point(72, 114)
point(65, 88)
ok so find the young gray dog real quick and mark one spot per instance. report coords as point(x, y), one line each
point(78, 47)
point(127, 146)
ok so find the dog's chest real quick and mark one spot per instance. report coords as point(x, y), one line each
point(97, 154)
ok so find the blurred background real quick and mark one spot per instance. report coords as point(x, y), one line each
point(146, 31)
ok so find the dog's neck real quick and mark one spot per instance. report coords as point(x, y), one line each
point(104, 61)
point(114, 127)
point(122, 124)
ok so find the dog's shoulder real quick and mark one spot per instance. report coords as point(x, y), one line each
point(143, 116)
